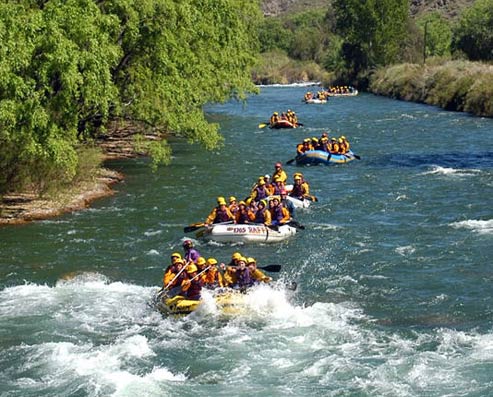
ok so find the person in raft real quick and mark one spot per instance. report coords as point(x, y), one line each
point(220, 213)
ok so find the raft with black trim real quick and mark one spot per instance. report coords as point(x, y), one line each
point(227, 301)
point(351, 93)
point(312, 157)
point(283, 124)
point(247, 233)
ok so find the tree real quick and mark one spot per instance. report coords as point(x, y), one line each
point(372, 31)
point(473, 34)
point(68, 67)
point(437, 33)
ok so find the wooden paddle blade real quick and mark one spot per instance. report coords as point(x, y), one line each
point(270, 268)
point(192, 228)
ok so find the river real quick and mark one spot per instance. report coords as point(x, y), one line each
point(394, 268)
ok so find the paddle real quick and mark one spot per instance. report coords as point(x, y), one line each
point(295, 224)
point(165, 289)
point(270, 268)
point(193, 227)
point(312, 198)
point(291, 161)
point(263, 125)
point(356, 156)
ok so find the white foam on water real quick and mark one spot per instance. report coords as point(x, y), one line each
point(438, 170)
point(102, 338)
point(405, 250)
point(477, 226)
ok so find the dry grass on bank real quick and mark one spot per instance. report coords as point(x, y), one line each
point(453, 85)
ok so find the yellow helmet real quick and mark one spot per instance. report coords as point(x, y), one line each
point(211, 261)
point(248, 201)
point(340, 140)
point(236, 256)
point(264, 202)
point(191, 268)
point(232, 198)
point(275, 113)
point(242, 259)
point(221, 200)
point(241, 203)
point(201, 261)
point(343, 137)
point(251, 260)
point(176, 255)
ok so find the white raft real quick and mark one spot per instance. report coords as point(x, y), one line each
point(234, 233)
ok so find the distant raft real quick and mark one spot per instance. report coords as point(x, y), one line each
point(284, 124)
point(246, 233)
point(338, 94)
point(312, 157)
point(315, 101)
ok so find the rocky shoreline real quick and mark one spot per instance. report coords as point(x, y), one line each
point(20, 208)
point(23, 207)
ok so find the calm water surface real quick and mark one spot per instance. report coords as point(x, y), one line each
point(394, 268)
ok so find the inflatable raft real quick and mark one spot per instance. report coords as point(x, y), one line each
point(283, 124)
point(321, 157)
point(228, 302)
point(315, 100)
point(351, 93)
point(234, 233)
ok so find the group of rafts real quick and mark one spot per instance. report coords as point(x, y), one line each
point(266, 216)
point(323, 95)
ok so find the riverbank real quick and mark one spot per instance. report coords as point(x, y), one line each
point(22, 207)
point(452, 85)
point(19, 208)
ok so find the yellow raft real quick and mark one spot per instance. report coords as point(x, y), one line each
point(227, 301)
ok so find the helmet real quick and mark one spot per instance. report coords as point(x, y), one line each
point(248, 201)
point(264, 202)
point(261, 182)
point(211, 261)
point(201, 260)
point(188, 244)
point(343, 137)
point(315, 139)
point(232, 198)
point(191, 268)
point(278, 165)
point(176, 255)
point(340, 140)
point(275, 113)
point(221, 201)
point(241, 203)
point(266, 176)
point(297, 178)
point(251, 260)
point(242, 259)
point(307, 140)
point(236, 255)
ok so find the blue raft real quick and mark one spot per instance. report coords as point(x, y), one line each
point(312, 157)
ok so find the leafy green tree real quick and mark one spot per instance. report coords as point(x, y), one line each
point(372, 31)
point(274, 35)
point(67, 67)
point(473, 34)
point(437, 33)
